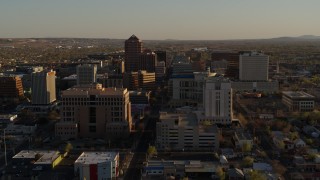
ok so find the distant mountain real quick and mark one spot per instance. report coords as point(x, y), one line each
point(309, 37)
point(299, 38)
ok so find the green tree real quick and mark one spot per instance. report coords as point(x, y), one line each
point(151, 151)
point(256, 175)
point(247, 161)
point(293, 135)
point(246, 147)
point(309, 141)
point(281, 145)
point(68, 147)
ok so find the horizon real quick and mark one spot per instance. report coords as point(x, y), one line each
point(248, 39)
point(178, 20)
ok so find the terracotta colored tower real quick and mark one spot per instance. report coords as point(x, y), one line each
point(133, 49)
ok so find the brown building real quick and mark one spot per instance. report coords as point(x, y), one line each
point(140, 80)
point(11, 87)
point(91, 111)
point(133, 49)
point(233, 62)
point(148, 61)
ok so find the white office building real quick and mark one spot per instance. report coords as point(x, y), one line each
point(182, 131)
point(217, 100)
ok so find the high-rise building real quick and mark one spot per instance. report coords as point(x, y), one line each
point(160, 71)
point(86, 74)
point(91, 111)
point(161, 56)
point(217, 100)
point(253, 66)
point(133, 49)
point(43, 87)
point(148, 60)
point(232, 59)
point(11, 87)
point(187, 90)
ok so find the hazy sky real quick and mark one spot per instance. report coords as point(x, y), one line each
point(159, 19)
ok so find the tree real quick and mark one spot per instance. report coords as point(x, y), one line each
point(293, 135)
point(220, 173)
point(68, 147)
point(256, 175)
point(278, 167)
point(246, 147)
point(151, 151)
point(281, 145)
point(247, 161)
point(309, 141)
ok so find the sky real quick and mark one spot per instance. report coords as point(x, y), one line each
point(159, 19)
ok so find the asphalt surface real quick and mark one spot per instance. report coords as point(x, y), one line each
point(135, 168)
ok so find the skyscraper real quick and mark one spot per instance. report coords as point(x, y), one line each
point(232, 59)
point(86, 74)
point(133, 49)
point(43, 87)
point(147, 61)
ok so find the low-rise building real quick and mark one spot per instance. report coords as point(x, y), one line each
point(183, 132)
point(298, 101)
point(19, 129)
point(40, 160)
point(97, 165)
point(169, 169)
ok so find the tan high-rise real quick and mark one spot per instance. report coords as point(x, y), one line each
point(92, 111)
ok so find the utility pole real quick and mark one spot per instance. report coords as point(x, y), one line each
point(5, 147)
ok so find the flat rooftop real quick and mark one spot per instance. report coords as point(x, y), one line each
point(45, 157)
point(96, 157)
point(297, 94)
point(185, 119)
point(93, 89)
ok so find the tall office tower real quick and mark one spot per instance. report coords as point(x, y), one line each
point(43, 87)
point(133, 49)
point(86, 74)
point(232, 59)
point(160, 71)
point(10, 87)
point(217, 98)
point(161, 56)
point(148, 60)
point(91, 111)
point(253, 66)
